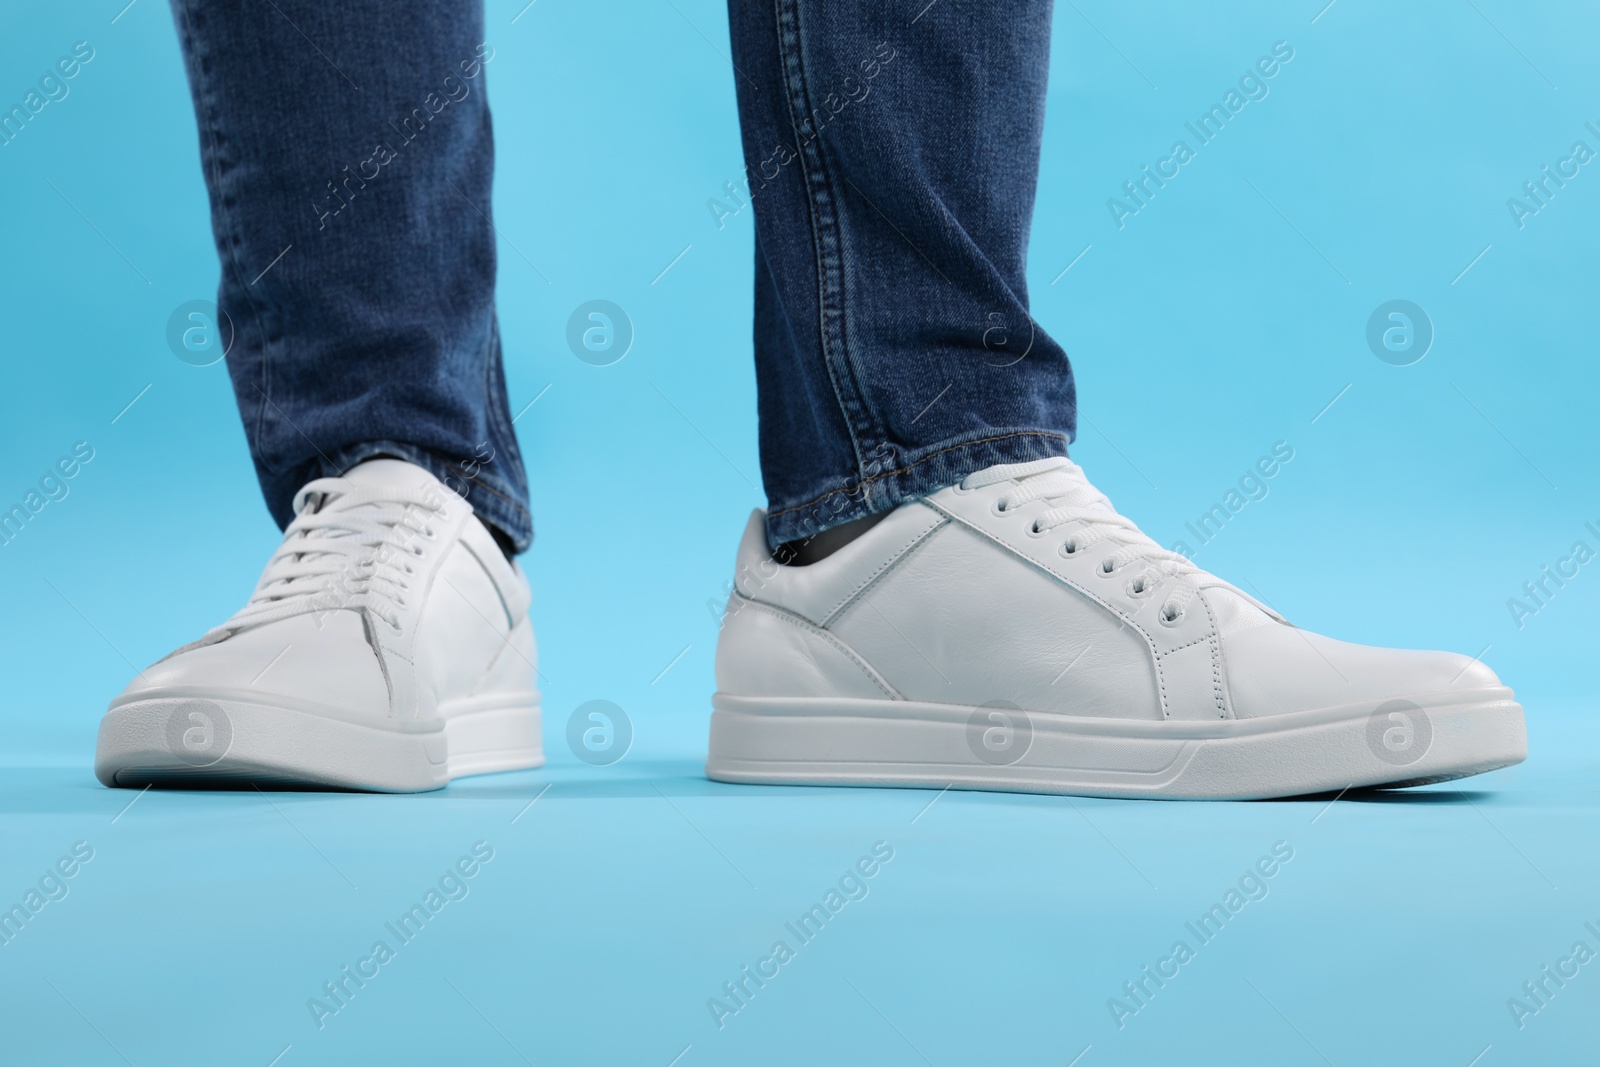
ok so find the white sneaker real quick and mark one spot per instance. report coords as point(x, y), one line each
point(1014, 632)
point(386, 647)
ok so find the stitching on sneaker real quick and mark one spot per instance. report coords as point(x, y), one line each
point(1216, 658)
point(1129, 620)
point(900, 554)
point(1216, 677)
point(844, 649)
point(1180, 648)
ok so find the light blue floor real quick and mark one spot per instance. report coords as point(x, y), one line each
point(620, 902)
point(1229, 314)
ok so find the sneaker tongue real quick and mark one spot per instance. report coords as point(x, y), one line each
point(381, 474)
point(1070, 485)
point(384, 472)
point(1063, 482)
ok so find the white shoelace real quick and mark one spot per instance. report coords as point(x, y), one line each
point(1060, 483)
point(349, 546)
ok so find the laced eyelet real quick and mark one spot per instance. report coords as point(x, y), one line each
point(1034, 531)
point(1139, 586)
point(1106, 568)
point(960, 489)
point(1068, 549)
point(999, 508)
point(1174, 619)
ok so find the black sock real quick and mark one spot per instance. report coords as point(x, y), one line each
point(809, 550)
point(500, 538)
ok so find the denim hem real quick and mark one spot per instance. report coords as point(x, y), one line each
point(492, 499)
point(921, 474)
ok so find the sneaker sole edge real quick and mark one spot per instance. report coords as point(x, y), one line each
point(821, 741)
point(198, 743)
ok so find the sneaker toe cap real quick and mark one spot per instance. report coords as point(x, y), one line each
point(300, 660)
point(1277, 669)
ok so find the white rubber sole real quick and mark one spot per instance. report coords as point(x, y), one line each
point(217, 740)
point(858, 742)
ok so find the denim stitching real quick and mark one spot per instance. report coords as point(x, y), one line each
point(913, 466)
point(349, 456)
point(500, 427)
point(229, 242)
point(825, 233)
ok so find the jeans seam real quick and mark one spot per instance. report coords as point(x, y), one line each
point(491, 395)
point(472, 479)
point(908, 468)
point(228, 247)
point(497, 401)
point(825, 232)
point(232, 243)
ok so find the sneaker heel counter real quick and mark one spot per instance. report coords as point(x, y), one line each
point(753, 565)
point(515, 666)
point(764, 651)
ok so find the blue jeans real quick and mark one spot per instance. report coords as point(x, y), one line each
point(891, 162)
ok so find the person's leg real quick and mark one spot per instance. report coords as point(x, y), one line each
point(892, 153)
point(999, 625)
point(387, 644)
point(348, 154)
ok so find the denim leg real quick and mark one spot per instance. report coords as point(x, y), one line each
point(348, 155)
point(892, 153)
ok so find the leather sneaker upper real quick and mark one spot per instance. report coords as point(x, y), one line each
point(1023, 584)
point(385, 599)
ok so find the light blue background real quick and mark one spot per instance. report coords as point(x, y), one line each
point(1223, 318)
